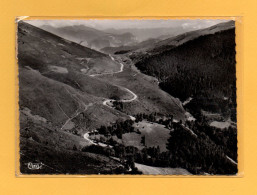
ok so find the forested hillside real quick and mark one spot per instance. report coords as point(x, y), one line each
point(203, 69)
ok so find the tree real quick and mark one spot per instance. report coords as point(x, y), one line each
point(143, 140)
point(74, 147)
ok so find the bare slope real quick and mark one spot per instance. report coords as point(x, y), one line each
point(149, 170)
point(41, 49)
point(52, 84)
point(60, 100)
point(59, 103)
point(150, 98)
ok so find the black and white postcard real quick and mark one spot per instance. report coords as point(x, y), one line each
point(127, 97)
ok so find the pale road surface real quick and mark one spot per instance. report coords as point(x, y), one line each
point(86, 137)
point(105, 102)
point(231, 160)
point(144, 168)
point(192, 132)
point(150, 170)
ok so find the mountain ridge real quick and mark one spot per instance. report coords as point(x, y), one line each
point(208, 66)
point(90, 37)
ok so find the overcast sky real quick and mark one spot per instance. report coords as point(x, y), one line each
point(123, 24)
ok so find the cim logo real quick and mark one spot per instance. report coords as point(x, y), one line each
point(34, 166)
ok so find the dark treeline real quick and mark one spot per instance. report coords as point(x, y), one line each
point(125, 156)
point(203, 151)
point(118, 128)
point(203, 68)
point(118, 105)
point(198, 154)
point(122, 127)
point(122, 52)
point(224, 138)
point(149, 117)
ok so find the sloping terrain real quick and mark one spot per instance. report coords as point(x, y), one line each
point(154, 134)
point(185, 37)
point(55, 64)
point(48, 64)
point(91, 37)
point(143, 34)
point(83, 111)
point(54, 96)
point(41, 50)
point(148, 170)
point(199, 68)
point(150, 97)
point(129, 48)
point(206, 73)
point(63, 90)
point(175, 41)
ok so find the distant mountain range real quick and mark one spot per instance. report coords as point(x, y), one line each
point(77, 80)
point(100, 39)
point(158, 44)
point(188, 36)
point(150, 33)
point(130, 48)
point(90, 37)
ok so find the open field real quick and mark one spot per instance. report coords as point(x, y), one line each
point(149, 170)
point(155, 135)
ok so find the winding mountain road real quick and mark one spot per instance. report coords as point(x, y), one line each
point(108, 102)
point(82, 107)
point(86, 137)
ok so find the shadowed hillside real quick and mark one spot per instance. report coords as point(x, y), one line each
point(175, 41)
point(199, 68)
point(198, 65)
